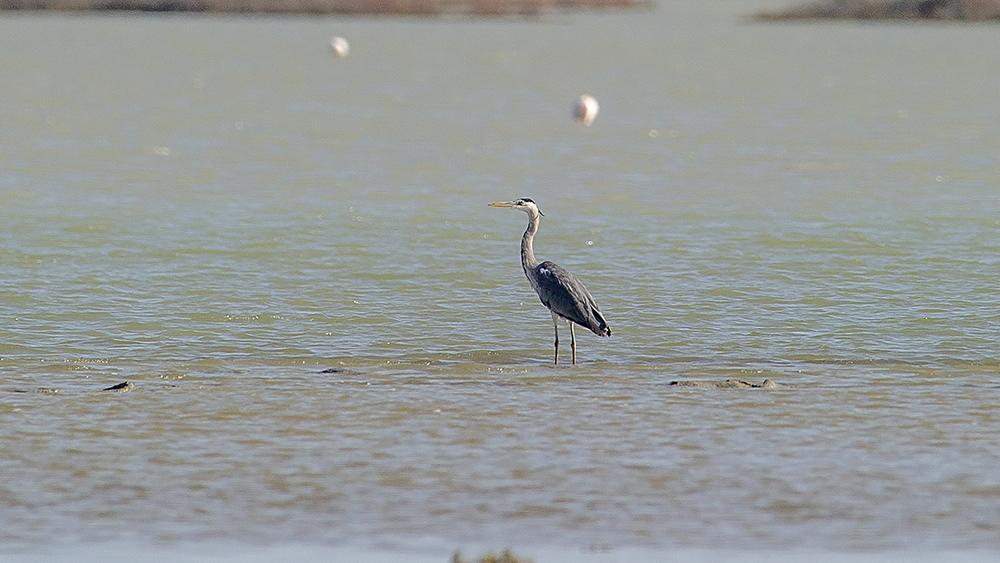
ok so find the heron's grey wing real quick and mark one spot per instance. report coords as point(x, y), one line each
point(565, 295)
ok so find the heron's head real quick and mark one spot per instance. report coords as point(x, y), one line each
point(524, 204)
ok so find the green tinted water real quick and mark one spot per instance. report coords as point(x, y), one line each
point(218, 210)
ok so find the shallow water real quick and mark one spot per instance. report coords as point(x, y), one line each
point(333, 345)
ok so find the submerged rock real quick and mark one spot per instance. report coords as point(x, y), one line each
point(342, 371)
point(727, 384)
point(505, 556)
point(122, 387)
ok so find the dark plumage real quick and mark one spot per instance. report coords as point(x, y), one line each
point(564, 295)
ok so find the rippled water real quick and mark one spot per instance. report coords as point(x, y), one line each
point(333, 345)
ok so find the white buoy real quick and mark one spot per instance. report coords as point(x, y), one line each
point(585, 109)
point(340, 46)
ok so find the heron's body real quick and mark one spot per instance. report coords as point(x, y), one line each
point(564, 295)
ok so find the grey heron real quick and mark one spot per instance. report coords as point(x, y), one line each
point(565, 296)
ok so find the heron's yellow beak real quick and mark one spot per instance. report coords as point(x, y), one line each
point(502, 204)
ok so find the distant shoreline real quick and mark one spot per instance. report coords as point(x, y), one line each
point(940, 10)
point(343, 7)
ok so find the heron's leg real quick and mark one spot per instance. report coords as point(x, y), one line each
point(572, 336)
point(555, 324)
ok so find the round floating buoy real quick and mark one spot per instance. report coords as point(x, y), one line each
point(340, 46)
point(585, 109)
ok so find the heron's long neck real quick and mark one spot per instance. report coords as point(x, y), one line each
point(528, 260)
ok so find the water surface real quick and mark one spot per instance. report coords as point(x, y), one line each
point(333, 345)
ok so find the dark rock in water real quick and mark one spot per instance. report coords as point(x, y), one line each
point(42, 390)
point(342, 371)
point(727, 384)
point(505, 556)
point(120, 388)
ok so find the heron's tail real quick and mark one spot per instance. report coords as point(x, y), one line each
point(598, 325)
